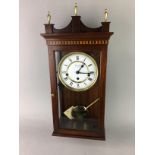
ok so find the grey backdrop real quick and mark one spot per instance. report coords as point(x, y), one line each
point(35, 104)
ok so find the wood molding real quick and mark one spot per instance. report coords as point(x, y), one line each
point(77, 42)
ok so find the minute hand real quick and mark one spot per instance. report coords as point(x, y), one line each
point(81, 67)
point(86, 73)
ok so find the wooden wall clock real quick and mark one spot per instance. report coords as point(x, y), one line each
point(77, 64)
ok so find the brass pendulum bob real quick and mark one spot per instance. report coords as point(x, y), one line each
point(78, 112)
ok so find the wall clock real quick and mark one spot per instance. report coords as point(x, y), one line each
point(77, 64)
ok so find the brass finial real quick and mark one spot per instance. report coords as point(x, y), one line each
point(75, 9)
point(49, 17)
point(106, 15)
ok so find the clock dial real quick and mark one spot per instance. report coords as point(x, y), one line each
point(78, 71)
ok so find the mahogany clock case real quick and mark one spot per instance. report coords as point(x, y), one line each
point(76, 37)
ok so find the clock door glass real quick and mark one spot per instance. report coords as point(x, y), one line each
point(78, 71)
point(78, 89)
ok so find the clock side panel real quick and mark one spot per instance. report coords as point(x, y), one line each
point(102, 85)
point(53, 81)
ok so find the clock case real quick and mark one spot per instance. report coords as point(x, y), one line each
point(93, 41)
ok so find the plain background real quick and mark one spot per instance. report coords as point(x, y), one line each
point(35, 106)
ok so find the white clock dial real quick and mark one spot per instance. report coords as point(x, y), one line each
point(78, 71)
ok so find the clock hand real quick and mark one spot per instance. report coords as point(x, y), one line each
point(86, 73)
point(80, 68)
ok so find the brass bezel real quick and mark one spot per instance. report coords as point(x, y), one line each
point(62, 81)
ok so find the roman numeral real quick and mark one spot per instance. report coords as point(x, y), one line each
point(78, 85)
point(66, 78)
point(89, 65)
point(77, 57)
point(90, 79)
point(70, 60)
point(71, 83)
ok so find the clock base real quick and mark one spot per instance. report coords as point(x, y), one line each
point(93, 136)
